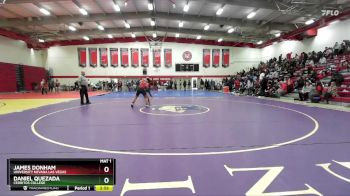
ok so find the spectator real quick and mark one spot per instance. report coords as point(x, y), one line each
point(104, 85)
point(202, 84)
point(120, 85)
point(310, 62)
point(347, 64)
point(128, 85)
point(237, 85)
point(270, 90)
point(57, 86)
point(331, 92)
point(212, 85)
point(323, 60)
point(305, 57)
point(250, 86)
point(43, 86)
point(134, 85)
point(337, 78)
point(342, 48)
point(261, 76)
point(171, 83)
point(336, 48)
point(290, 85)
point(230, 83)
point(313, 76)
point(319, 88)
point(300, 83)
point(328, 53)
point(51, 84)
point(304, 93)
point(263, 86)
point(76, 85)
point(283, 88)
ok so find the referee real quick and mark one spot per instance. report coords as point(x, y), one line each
point(83, 88)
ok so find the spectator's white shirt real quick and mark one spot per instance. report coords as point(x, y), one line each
point(249, 84)
point(262, 76)
point(306, 89)
point(336, 46)
point(275, 74)
point(323, 60)
point(329, 51)
point(310, 62)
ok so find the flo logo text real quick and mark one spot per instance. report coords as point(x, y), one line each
point(330, 12)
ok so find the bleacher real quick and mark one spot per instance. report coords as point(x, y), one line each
point(324, 73)
point(336, 65)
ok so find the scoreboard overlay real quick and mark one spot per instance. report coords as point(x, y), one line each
point(61, 174)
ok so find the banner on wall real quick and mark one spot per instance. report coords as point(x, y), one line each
point(144, 57)
point(93, 57)
point(156, 58)
point(103, 57)
point(113, 53)
point(124, 57)
point(82, 57)
point(225, 57)
point(216, 57)
point(206, 58)
point(168, 57)
point(134, 57)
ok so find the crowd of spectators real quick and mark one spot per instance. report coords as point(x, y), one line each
point(301, 73)
point(49, 86)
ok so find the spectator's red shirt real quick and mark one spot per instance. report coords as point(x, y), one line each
point(237, 83)
point(284, 86)
point(319, 88)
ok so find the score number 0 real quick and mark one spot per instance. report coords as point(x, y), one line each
point(106, 170)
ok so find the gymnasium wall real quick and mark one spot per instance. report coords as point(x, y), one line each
point(326, 37)
point(33, 75)
point(16, 52)
point(62, 61)
point(8, 77)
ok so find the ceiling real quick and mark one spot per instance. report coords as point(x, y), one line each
point(272, 17)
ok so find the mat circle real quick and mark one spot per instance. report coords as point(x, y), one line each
point(251, 149)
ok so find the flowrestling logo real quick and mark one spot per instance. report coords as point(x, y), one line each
point(330, 12)
point(175, 110)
